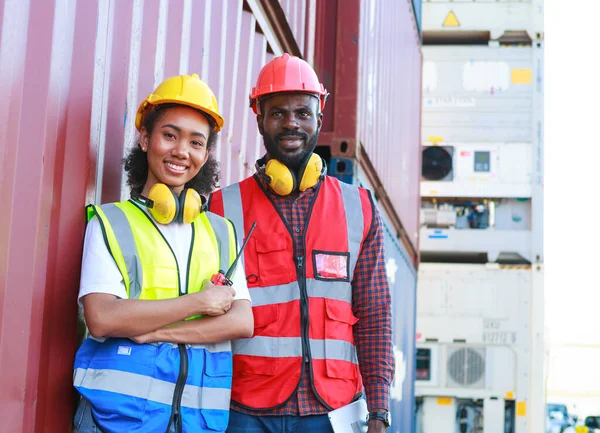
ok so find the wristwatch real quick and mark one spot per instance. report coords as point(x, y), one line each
point(381, 416)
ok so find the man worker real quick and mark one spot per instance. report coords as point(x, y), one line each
point(315, 268)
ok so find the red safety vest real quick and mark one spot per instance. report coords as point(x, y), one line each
point(302, 305)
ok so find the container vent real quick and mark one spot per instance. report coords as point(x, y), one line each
point(466, 368)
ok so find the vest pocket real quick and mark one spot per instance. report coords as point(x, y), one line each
point(264, 315)
point(162, 283)
point(331, 266)
point(215, 420)
point(217, 369)
point(216, 390)
point(273, 262)
point(340, 353)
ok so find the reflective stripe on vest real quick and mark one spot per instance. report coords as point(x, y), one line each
point(285, 347)
point(122, 230)
point(148, 388)
point(337, 290)
point(354, 222)
point(219, 226)
point(232, 199)
point(271, 360)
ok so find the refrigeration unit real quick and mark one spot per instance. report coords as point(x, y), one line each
point(473, 347)
point(476, 170)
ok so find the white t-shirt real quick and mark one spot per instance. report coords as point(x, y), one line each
point(100, 274)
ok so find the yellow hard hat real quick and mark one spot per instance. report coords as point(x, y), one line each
point(187, 90)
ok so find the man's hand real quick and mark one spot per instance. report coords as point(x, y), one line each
point(376, 426)
point(144, 338)
point(214, 300)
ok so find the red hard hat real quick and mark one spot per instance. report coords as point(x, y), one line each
point(287, 74)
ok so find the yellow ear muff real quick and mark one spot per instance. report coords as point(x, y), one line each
point(166, 203)
point(190, 205)
point(281, 179)
point(312, 172)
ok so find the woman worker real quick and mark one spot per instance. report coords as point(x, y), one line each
point(159, 355)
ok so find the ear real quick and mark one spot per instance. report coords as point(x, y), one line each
point(259, 122)
point(144, 139)
point(206, 156)
point(319, 121)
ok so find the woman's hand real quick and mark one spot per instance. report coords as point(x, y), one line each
point(216, 300)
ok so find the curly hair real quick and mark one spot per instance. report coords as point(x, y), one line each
point(136, 162)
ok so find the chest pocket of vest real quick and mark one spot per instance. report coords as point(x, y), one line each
point(340, 353)
point(161, 283)
point(273, 262)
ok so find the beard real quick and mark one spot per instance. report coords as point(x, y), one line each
point(295, 160)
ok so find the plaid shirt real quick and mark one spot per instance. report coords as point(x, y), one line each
point(371, 303)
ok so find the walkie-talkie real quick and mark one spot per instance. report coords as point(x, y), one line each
point(223, 278)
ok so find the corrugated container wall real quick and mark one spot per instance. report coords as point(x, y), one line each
point(72, 74)
point(390, 103)
point(388, 128)
point(369, 58)
point(402, 278)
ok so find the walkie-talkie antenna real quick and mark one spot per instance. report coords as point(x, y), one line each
point(239, 254)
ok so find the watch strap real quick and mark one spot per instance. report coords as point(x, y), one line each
point(381, 416)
